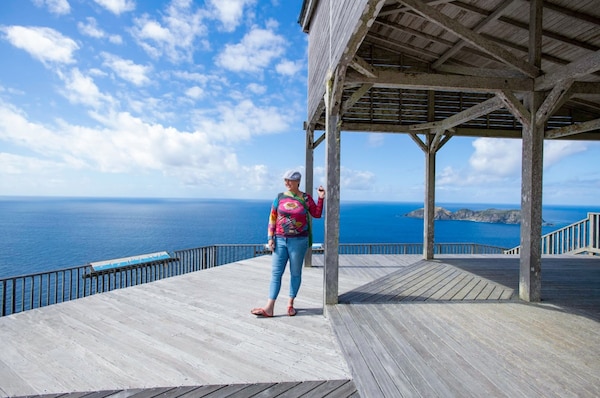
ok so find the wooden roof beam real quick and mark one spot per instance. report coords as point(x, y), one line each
point(358, 94)
point(396, 8)
point(572, 13)
point(395, 128)
point(473, 112)
point(482, 72)
point(417, 33)
point(418, 141)
point(582, 67)
point(474, 39)
point(506, 6)
point(516, 107)
point(414, 32)
point(557, 97)
point(524, 49)
point(432, 81)
point(573, 129)
point(363, 67)
point(400, 47)
point(440, 137)
point(586, 88)
point(525, 26)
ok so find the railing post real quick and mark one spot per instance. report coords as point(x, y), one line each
point(593, 235)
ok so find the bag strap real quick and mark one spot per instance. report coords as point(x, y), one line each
point(302, 200)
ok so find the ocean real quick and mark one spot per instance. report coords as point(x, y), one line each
point(44, 233)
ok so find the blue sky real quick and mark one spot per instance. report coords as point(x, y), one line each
point(206, 99)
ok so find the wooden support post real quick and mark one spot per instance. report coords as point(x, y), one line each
point(332, 199)
point(429, 202)
point(530, 285)
point(429, 209)
point(332, 212)
point(308, 179)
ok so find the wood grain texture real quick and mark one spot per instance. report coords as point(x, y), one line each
point(406, 330)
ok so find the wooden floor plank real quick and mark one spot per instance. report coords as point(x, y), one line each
point(437, 287)
point(278, 389)
point(427, 286)
point(399, 365)
point(185, 331)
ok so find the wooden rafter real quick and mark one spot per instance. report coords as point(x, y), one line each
point(433, 81)
point(358, 94)
point(576, 69)
point(516, 107)
point(572, 13)
point(574, 129)
point(363, 67)
point(525, 27)
point(474, 112)
point(480, 72)
point(503, 8)
point(474, 39)
point(557, 97)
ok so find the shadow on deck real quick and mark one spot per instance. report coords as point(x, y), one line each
point(455, 327)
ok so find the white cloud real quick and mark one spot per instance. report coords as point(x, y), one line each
point(496, 157)
point(375, 139)
point(17, 165)
point(127, 144)
point(20, 174)
point(192, 76)
point(58, 7)
point(496, 166)
point(230, 12)
point(117, 7)
point(502, 157)
point(115, 39)
point(359, 180)
point(127, 69)
point(91, 29)
point(81, 89)
point(555, 151)
point(235, 122)
point(448, 176)
point(288, 68)
point(15, 128)
point(256, 51)
point(256, 177)
point(176, 37)
point(256, 88)
point(194, 92)
point(45, 44)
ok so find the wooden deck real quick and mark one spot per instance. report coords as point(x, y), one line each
point(451, 327)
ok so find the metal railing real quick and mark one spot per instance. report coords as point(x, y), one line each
point(417, 248)
point(26, 292)
point(580, 237)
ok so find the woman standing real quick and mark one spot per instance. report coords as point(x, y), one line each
point(289, 234)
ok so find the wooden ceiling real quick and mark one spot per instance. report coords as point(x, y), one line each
point(464, 67)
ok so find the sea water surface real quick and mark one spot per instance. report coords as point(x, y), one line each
point(42, 233)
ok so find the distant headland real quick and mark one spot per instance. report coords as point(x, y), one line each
point(489, 215)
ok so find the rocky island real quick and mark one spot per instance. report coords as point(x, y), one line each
point(489, 215)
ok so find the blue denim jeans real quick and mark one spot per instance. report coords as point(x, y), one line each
point(292, 249)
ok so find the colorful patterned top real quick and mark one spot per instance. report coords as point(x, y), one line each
point(289, 216)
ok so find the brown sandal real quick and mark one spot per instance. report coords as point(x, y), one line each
point(260, 312)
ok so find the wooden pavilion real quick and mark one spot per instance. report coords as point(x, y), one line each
point(435, 69)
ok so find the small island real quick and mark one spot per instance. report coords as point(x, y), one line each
point(489, 215)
